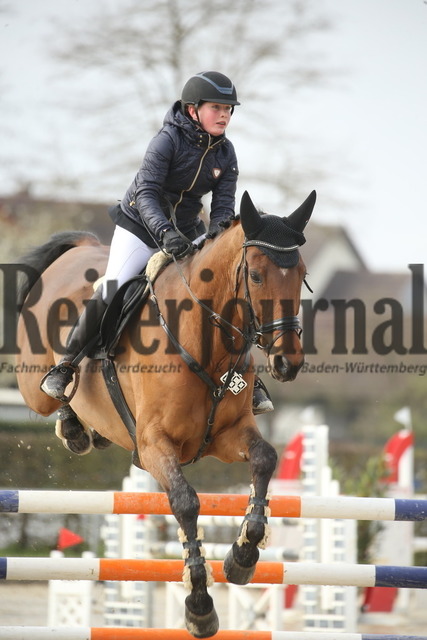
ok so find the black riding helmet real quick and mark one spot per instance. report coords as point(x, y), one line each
point(209, 86)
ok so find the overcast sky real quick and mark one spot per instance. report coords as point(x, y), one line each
point(370, 128)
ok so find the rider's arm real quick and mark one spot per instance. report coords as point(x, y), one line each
point(149, 184)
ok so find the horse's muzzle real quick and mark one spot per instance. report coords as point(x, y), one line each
point(284, 370)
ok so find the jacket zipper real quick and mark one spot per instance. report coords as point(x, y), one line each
point(208, 148)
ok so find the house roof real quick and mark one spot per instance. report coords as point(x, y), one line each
point(370, 287)
point(18, 209)
point(318, 235)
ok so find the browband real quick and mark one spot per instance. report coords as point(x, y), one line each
point(267, 245)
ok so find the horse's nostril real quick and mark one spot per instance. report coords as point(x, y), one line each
point(283, 370)
point(280, 363)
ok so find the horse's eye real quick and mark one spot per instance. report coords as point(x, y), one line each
point(255, 276)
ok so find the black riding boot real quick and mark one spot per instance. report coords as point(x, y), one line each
point(261, 401)
point(82, 337)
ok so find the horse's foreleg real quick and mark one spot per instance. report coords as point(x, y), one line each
point(76, 436)
point(240, 562)
point(200, 616)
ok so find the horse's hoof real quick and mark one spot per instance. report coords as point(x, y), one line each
point(73, 435)
point(203, 626)
point(82, 446)
point(99, 442)
point(234, 572)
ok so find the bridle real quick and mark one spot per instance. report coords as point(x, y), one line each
point(256, 329)
point(251, 335)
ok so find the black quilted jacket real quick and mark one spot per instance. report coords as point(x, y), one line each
point(182, 164)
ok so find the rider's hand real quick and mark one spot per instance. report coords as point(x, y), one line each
point(174, 244)
point(217, 226)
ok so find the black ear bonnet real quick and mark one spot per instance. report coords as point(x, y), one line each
point(272, 234)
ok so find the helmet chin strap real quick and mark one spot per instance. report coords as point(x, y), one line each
point(196, 119)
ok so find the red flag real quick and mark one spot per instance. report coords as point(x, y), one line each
point(394, 450)
point(290, 462)
point(67, 538)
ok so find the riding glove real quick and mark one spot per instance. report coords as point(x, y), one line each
point(217, 226)
point(174, 244)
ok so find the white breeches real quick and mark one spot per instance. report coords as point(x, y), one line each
point(128, 256)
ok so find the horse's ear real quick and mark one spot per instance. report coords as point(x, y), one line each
point(300, 217)
point(249, 216)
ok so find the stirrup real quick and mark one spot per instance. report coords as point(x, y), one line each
point(65, 364)
point(261, 400)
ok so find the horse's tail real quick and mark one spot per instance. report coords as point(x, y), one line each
point(40, 258)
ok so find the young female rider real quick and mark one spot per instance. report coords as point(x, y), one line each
point(189, 157)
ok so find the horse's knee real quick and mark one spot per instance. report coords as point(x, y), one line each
point(263, 458)
point(184, 503)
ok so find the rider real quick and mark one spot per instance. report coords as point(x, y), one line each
point(189, 157)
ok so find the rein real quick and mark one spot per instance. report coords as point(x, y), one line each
point(231, 377)
point(250, 337)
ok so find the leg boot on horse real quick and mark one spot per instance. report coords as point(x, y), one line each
point(80, 339)
point(240, 562)
point(160, 459)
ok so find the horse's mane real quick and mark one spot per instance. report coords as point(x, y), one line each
point(41, 257)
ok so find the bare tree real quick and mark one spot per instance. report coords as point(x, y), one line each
point(133, 58)
point(5, 106)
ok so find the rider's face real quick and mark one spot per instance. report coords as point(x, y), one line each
point(213, 117)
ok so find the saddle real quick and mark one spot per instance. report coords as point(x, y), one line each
point(128, 299)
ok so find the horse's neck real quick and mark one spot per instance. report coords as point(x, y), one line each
point(214, 275)
point(217, 265)
point(206, 282)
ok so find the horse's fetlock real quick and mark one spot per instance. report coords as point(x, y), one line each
point(197, 574)
point(199, 603)
point(251, 533)
point(246, 555)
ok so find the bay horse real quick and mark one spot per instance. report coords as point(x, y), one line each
point(190, 388)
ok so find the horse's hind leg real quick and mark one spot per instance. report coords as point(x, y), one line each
point(240, 562)
point(200, 615)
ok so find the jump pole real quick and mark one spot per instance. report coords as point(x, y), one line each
point(86, 633)
point(118, 502)
point(295, 573)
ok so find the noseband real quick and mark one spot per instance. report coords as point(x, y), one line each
point(284, 324)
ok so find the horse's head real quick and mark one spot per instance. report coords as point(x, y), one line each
point(273, 275)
